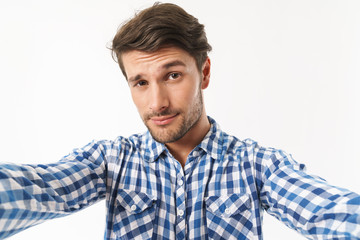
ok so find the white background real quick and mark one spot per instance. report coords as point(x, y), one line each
point(285, 73)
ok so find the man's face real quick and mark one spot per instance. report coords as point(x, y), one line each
point(166, 88)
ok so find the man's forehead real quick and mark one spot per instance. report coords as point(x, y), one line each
point(163, 54)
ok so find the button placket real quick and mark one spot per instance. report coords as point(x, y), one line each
point(180, 197)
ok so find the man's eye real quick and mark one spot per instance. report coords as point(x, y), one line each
point(141, 83)
point(174, 75)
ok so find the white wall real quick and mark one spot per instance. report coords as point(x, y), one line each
point(285, 73)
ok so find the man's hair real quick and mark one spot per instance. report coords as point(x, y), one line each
point(162, 25)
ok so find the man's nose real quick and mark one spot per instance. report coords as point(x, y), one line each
point(158, 98)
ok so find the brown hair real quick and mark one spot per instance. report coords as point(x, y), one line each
point(163, 24)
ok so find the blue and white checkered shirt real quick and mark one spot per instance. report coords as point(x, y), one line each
point(219, 194)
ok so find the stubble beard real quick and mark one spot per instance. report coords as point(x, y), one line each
point(187, 122)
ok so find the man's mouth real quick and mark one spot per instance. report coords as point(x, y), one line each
point(163, 120)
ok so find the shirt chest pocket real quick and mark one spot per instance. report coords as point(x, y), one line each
point(229, 217)
point(135, 214)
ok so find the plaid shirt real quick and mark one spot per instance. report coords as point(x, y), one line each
point(219, 194)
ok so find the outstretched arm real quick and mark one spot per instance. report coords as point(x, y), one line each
point(303, 202)
point(31, 194)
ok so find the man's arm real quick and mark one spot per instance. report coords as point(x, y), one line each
point(303, 202)
point(31, 194)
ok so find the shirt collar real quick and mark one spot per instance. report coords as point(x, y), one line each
point(153, 149)
point(212, 144)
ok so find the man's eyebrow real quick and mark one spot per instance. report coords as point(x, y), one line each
point(133, 79)
point(173, 63)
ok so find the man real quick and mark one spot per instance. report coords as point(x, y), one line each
point(184, 178)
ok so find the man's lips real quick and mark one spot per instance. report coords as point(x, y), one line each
point(163, 120)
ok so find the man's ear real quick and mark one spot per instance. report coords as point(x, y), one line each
point(205, 73)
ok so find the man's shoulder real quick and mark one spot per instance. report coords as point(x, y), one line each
point(136, 140)
point(233, 143)
point(247, 147)
point(132, 141)
point(262, 155)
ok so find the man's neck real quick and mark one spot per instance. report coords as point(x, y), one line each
point(182, 148)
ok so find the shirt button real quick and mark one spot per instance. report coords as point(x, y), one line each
point(227, 211)
point(181, 213)
point(133, 207)
point(180, 182)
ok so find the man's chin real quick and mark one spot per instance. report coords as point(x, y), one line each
point(164, 137)
point(168, 133)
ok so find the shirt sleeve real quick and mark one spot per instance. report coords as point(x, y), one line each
point(303, 202)
point(31, 194)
